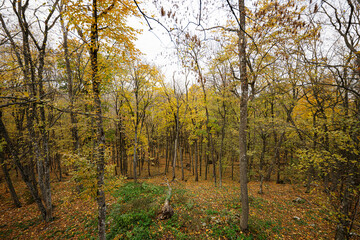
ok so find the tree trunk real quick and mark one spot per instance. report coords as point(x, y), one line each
point(191, 157)
point(200, 156)
point(181, 162)
point(40, 165)
point(174, 159)
point(262, 157)
point(149, 159)
point(209, 135)
point(123, 153)
point(45, 165)
point(100, 140)
point(343, 226)
point(232, 167)
point(273, 162)
point(206, 156)
point(311, 169)
point(135, 154)
point(261, 184)
point(27, 179)
point(8, 181)
point(177, 129)
point(243, 121)
point(58, 160)
point(73, 119)
point(166, 154)
point(196, 162)
point(222, 144)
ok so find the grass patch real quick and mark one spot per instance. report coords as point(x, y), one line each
point(133, 216)
point(211, 212)
point(263, 229)
point(131, 191)
point(231, 231)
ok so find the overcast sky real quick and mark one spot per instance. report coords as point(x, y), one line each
point(156, 44)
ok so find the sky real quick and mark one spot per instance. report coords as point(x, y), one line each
point(156, 43)
point(156, 46)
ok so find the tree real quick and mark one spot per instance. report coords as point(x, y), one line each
point(32, 67)
point(243, 119)
point(100, 142)
point(102, 27)
point(3, 164)
point(139, 80)
point(70, 79)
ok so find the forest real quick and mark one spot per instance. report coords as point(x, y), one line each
point(246, 125)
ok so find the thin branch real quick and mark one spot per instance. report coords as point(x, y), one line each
point(144, 15)
point(238, 22)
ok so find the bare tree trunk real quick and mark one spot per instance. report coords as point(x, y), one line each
point(191, 156)
point(222, 143)
point(181, 162)
point(208, 130)
point(196, 162)
point(243, 121)
point(73, 119)
point(214, 165)
point(200, 155)
point(262, 157)
point(14, 196)
point(135, 154)
point(261, 184)
point(118, 160)
point(43, 184)
point(206, 161)
point(343, 226)
point(177, 129)
point(100, 140)
point(149, 155)
point(166, 154)
point(232, 167)
point(27, 179)
point(250, 159)
point(311, 169)
point(59, 164)
point(123, 153)
point(174, 159)
point(45, 161)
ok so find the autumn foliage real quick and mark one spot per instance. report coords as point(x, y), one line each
point(255, 135)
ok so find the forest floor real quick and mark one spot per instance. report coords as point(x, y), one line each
point(202, 211)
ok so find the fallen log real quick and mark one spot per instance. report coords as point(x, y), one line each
point(166, 210)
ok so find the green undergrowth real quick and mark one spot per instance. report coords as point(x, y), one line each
point(134, 216)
